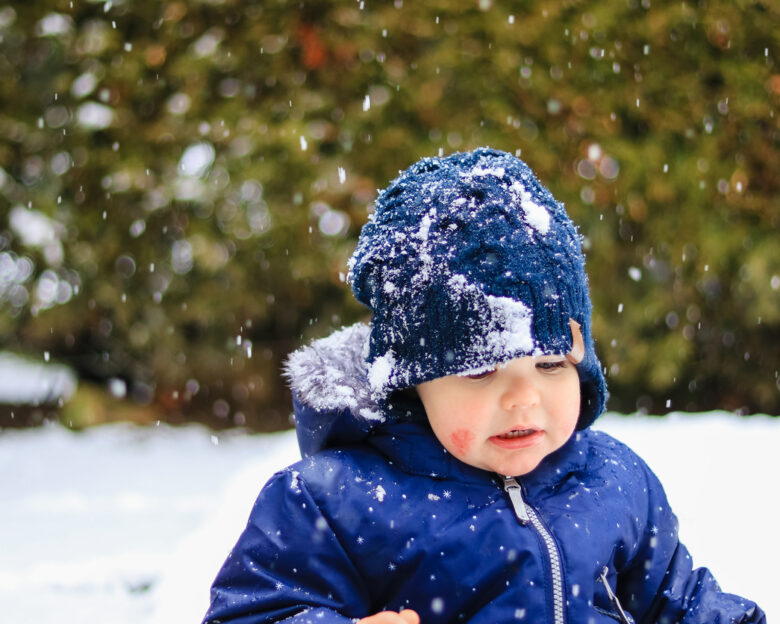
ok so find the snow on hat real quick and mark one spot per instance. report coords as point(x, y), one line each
point(468, 262)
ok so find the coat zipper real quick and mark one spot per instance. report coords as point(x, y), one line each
point(527, 514)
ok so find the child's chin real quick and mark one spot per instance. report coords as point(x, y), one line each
point(514, 468)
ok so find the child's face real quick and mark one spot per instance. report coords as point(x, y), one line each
point(508, 419)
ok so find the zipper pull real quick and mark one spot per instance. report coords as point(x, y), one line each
point(512, 488)
point(624, 618)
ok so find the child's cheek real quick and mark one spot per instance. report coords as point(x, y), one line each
point(461, 440)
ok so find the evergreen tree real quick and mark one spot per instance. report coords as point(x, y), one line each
point(181, 183)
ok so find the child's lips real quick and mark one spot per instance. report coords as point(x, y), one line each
point(517, 438)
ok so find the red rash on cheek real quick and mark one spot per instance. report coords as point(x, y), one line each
point(461, 439)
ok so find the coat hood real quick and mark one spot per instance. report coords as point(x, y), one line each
point(331, 395)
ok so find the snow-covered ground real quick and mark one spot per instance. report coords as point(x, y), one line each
point(120, 524)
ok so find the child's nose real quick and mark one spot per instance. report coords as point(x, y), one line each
point(521, 394)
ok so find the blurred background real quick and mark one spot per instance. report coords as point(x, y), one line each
point(181, 184)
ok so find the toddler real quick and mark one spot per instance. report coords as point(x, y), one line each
point(449, 470)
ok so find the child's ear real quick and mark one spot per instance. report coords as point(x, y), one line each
point(577, 352)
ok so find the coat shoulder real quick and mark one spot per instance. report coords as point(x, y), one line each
point(603, 449)
point(332, 474)
point(612, 461)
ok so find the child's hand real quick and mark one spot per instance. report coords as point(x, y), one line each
point(407, 616)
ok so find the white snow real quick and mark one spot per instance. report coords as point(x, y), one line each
point(371, 414)
point(509, 319)
point(425, 227)
point(481, 172)
point(515, 318)
point(23, 381)
point(380, 370)
point(129, 525)
point(295, 485)
point(535, 215)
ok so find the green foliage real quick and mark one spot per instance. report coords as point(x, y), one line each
point(205, 168)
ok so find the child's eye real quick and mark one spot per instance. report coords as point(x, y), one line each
point(555, 364)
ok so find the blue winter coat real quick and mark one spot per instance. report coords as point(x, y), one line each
point(379, 516)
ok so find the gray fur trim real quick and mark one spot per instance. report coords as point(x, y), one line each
point(331, 373)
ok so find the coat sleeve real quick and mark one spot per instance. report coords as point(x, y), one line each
point(288, 565)
point(659, 584)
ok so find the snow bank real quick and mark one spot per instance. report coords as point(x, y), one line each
point(23, 381)
point(121, 524)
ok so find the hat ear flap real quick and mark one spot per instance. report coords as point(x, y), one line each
point(593, 386)
point(593, 398)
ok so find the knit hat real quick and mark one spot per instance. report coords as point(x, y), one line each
point(468, 262)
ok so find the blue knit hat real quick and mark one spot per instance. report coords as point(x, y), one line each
point(468, 262)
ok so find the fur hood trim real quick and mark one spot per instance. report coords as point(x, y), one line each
point(331, 374)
